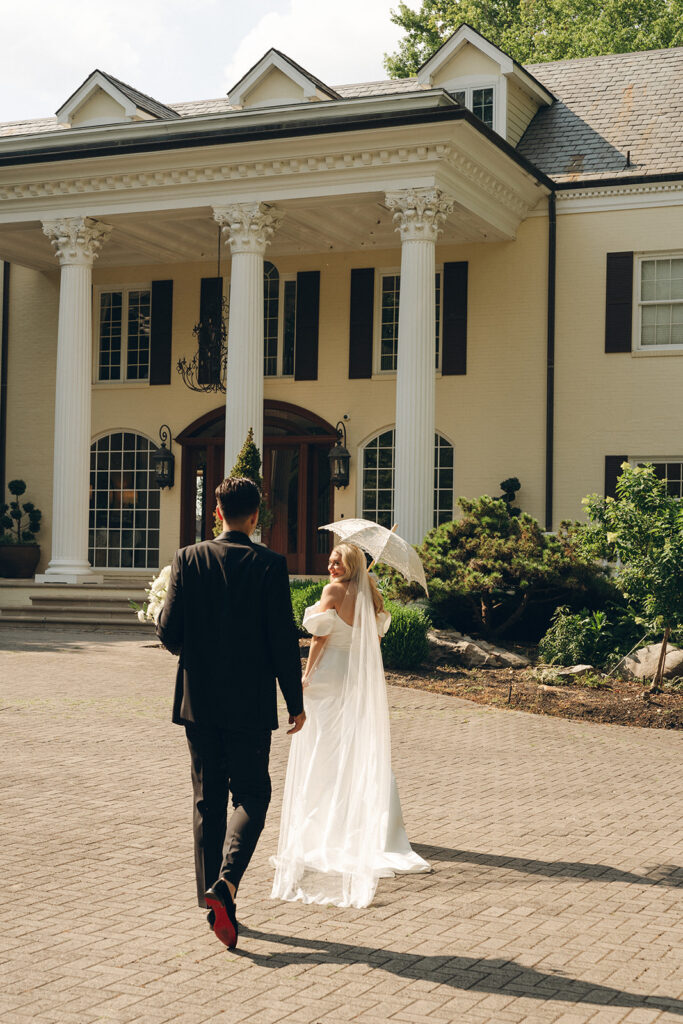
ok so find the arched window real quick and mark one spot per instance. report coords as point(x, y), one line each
point(271, 303)
point(124, 503)
point(378, 479)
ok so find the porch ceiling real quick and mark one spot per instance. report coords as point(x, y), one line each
point(315, 226)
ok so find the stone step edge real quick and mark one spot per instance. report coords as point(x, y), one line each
point(35, 618)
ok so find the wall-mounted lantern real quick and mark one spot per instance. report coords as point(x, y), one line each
point(163, 459)
point(339, 459)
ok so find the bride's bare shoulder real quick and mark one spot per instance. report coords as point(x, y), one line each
point(333, 594)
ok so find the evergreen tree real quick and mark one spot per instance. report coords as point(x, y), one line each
point(248, 465)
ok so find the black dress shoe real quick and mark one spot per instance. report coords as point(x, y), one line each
point(220, 901)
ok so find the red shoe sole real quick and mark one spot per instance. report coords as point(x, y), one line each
point(223, 927)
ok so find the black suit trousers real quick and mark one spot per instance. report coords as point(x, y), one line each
point(227, 763)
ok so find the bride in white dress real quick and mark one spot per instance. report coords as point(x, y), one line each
point(341, 828)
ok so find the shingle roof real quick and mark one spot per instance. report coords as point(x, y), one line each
point(141, 99)
point(605, 107)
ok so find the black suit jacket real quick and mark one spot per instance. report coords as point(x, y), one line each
point(228, 614)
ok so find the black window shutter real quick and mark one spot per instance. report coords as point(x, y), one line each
point(210, 312)
point(161, 333)
point(454, 329)
point(361, 322)
point(612, 473)
point(619, 302)
point(307, 318)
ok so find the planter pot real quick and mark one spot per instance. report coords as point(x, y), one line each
point(18, 561)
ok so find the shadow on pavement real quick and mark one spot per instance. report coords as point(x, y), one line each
point(499, 976)
point(667, 875)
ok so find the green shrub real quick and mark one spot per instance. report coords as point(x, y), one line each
point(591, 638)
point(304, 593)
point(502, 575)
point(405, 645)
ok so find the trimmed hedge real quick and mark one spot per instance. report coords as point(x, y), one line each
point(304, 593)
point(405, 645)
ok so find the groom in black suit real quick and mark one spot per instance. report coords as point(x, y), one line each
point(228, 614)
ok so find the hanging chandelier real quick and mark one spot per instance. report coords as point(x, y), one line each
point(206, 370)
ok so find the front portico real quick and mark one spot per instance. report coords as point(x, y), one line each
point(369, 180)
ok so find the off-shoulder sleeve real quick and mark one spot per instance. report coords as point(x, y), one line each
point(318, 623)
point(383, 622)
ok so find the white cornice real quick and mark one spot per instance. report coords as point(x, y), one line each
point(620, 197)
point(603, 198)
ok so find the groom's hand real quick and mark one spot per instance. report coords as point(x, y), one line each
point(297, 721)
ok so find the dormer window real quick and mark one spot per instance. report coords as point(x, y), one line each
point(479, 101)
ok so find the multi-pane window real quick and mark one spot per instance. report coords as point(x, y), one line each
point(378, 479)
point(482, 105)
point(669, 470)
point(479, 101)
point(388, 320)
point(124, 326)
point(388, 349)
point(443, 480)
point(279, 323)
point(271, 303)
point(124, 503)
point(661, 302)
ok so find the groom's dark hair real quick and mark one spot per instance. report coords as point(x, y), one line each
point(238, 497)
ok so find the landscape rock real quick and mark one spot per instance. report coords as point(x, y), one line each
point(449, 646)
point(642, 664)
point(574, 671)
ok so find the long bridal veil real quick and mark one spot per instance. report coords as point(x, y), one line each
point(335, 813)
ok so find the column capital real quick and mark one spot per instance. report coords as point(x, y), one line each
point(76, 240)
point(419, 213)
point(248, 227)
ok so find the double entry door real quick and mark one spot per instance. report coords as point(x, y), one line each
point(296, 485)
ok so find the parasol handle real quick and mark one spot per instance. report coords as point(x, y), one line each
point(373, 563)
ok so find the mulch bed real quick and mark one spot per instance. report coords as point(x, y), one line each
point(620, 704)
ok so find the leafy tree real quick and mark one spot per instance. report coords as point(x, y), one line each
point(492, 568)
point(538, 30)
point(642, 531)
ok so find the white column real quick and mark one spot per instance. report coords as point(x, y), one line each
point(77, 242)
point(249, 228)
point(418, 216)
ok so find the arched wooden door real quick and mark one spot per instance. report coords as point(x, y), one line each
point(296, 482)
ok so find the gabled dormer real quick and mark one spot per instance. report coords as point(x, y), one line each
point(103, 99)
point(483, 78)
point(277, 79)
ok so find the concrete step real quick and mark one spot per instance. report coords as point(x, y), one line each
point(30, 616)
point(83, 603)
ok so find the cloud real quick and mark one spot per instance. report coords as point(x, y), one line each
point(339, 42)
point(177, 51)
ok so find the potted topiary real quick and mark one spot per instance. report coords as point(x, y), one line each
point(19, 524)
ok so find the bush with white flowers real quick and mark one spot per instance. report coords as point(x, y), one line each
point(156, 595)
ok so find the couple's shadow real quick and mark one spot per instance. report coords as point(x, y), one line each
point(499, 976)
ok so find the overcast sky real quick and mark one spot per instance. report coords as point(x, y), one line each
point(177, 50)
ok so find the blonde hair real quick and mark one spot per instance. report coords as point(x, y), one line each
point(353, 560)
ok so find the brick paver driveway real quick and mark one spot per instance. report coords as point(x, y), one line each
point(556, 848)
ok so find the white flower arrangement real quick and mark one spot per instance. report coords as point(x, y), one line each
point(156, 595)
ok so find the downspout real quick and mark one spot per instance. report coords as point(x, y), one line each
point(550, 363)
point(4, 350)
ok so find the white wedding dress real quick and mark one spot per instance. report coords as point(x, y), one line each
point(341, 827)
